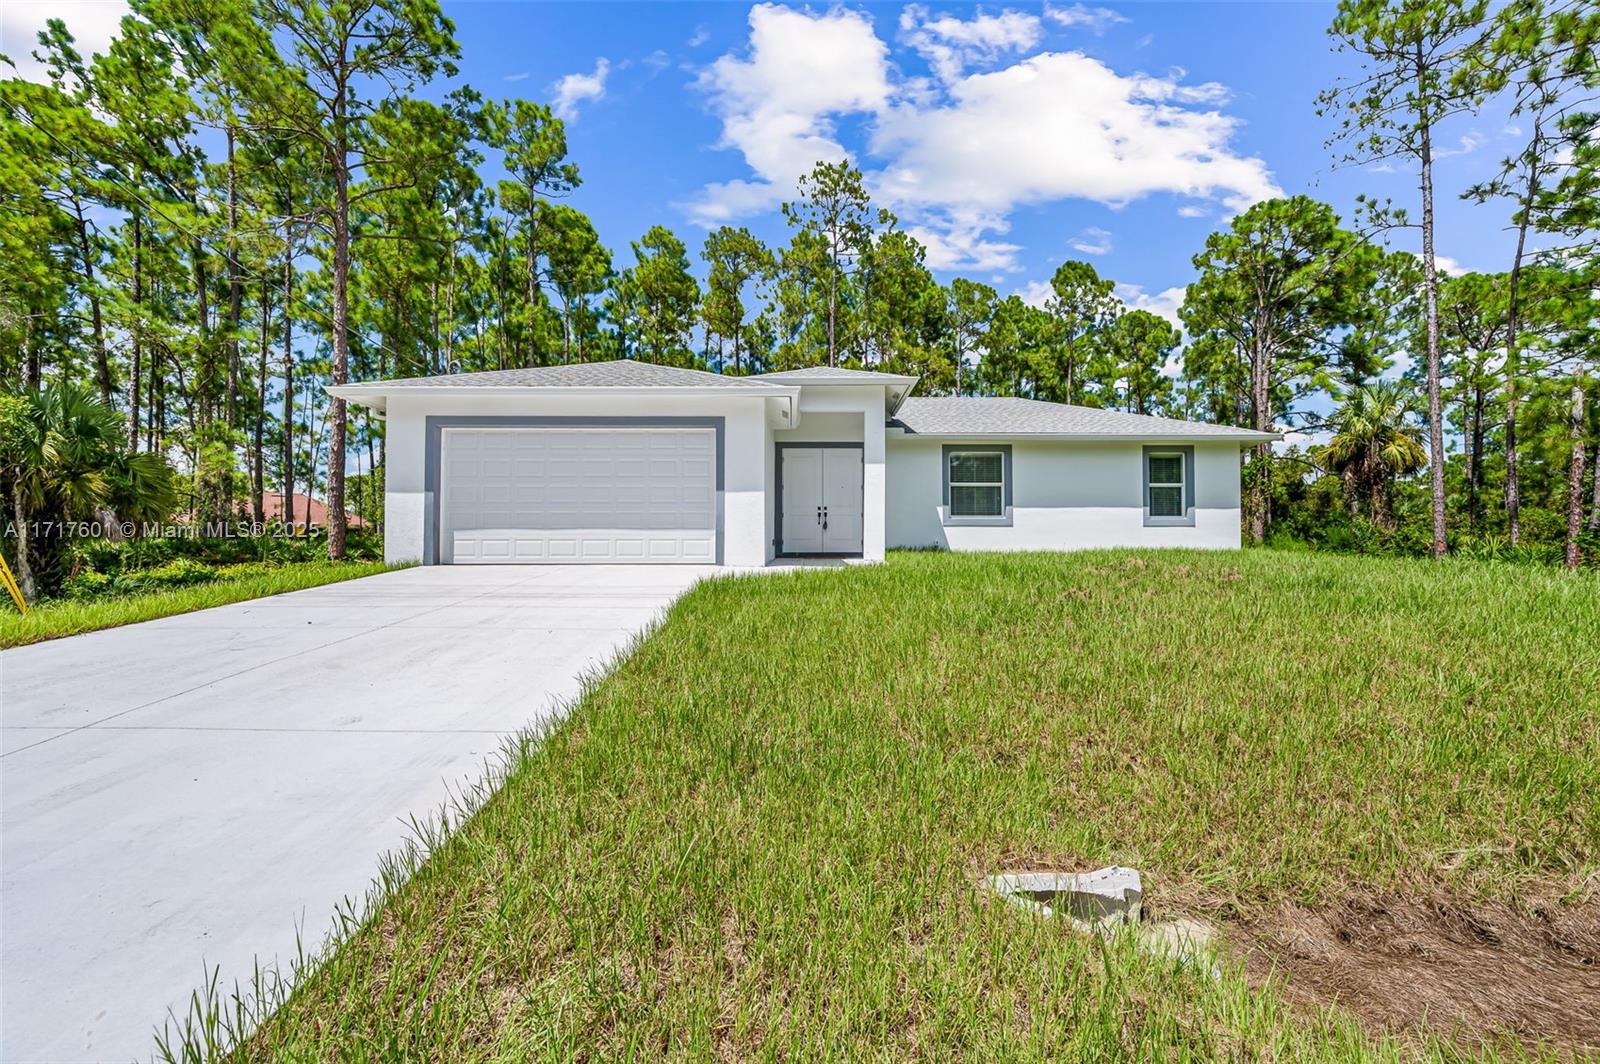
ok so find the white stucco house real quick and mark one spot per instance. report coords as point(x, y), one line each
point(630, 462)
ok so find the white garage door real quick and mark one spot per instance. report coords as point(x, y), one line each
point(578, 495)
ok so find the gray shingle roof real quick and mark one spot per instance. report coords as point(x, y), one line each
point(814, 373)
point(620, 373)
point(951, 416)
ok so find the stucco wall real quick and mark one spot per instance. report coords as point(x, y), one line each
point(408, 508)
point(1066, 495)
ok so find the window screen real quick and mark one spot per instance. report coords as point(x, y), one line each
point(977, 484)
point(1166, 485)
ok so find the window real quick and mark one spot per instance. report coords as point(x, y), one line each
point(1166, 484)
point(977, 483)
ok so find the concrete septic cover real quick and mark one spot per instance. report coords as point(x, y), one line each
point(1104, 901)
point(1096, 900)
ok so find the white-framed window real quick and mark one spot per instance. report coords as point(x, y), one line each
point(977, 483)
point(1166, 484)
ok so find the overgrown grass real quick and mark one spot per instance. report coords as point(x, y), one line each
point(760, 837)
point(51, 620)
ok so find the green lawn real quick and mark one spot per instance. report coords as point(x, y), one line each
point(760, 837)
point(52, 620)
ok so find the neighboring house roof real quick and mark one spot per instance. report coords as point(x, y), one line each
point(272, 509)
point(955, 416)
point(618, 373)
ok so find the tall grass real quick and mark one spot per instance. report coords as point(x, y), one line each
point(761, 836)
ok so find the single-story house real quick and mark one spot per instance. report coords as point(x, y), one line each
point(631, 462)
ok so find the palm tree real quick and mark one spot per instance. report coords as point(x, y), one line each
point(1375, 440)
point(62, 450)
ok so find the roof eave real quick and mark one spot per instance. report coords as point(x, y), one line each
point(1140, 437)
point(376, 396)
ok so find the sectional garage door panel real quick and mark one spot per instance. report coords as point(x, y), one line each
point(579, 495)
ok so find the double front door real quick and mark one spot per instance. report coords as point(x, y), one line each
point(821, 499)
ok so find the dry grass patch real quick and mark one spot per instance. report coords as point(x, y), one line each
point(1486, 973)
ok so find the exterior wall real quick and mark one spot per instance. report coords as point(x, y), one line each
point(1066, 495)
point(843, 414)
point(816, 427)
point(408, 506)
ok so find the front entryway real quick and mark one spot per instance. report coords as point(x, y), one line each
point(820, 501)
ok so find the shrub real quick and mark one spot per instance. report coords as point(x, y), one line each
point(180, 572)
point(87, 584)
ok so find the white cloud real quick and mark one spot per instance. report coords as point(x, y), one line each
point(1062, 125)
point(955, 240)
point(950, 44)
point(1165, 302)
point(1095, 19)
point(575, 89)
point(954, 159)
point(1466, 144)
point(702, 34)
point(1301, 439)
point(778, 104)
point(1035, 293)
point(1171, 87)
point(1092, 241)
point(520, 76)
point(1193, 210)
point(93, 23)
point(1448, 266)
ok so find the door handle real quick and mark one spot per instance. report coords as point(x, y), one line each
point(824, 518)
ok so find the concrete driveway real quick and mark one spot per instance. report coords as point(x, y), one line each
point(185, 793)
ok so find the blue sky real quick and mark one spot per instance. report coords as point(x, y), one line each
point(1010, 137)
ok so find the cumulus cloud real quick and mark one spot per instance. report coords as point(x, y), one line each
point(779, 102)
point(570, 92)
point(1165, 302)
point(950, 44)
point(1035, 293)
point(1094, 19)
point(93, 23)
point(960, 240)
point(1062, 125)
point(956, 156)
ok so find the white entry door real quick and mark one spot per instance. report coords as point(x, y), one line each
point(822, 500)
point(578, 495)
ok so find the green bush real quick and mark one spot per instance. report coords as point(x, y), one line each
point(180, 572)
point(134, 554)
point(87, 584)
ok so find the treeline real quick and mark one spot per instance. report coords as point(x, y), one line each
point(243, 201)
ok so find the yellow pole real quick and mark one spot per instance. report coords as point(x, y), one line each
point(11, 586)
